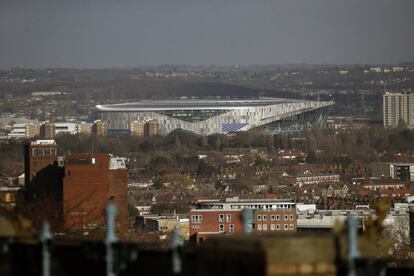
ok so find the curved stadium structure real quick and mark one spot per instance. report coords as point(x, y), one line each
point(205, 117)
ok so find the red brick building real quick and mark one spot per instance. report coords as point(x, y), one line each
point(275, 220)
point(43, 175)
point(79, 184)
point(214, 217)
point(38, 155)
point(210, 222)
point(90, 181)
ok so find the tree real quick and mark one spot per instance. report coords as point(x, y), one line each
point(311, 158)
point(177, 143)
point(158, 183)
point(204, 141)
point(218, 143)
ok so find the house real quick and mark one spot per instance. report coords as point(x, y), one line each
point(334, 190)
point(309, 179)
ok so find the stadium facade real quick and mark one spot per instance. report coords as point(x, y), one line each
point(206, 117)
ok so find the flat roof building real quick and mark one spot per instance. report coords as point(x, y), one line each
point(213, 217)
point(80, 184)
point(398, 108)
point(91, 180)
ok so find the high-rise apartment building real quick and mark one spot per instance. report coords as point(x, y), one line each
point(137, 129)
point(32, 130)
point(398, 108)
point(47, 130)
point(152, 128)
point(25, 130)
point(84, 128)
point(100, 128)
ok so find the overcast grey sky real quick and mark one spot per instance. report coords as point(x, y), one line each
point(120, 33)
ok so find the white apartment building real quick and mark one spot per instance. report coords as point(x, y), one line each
point(398, 107)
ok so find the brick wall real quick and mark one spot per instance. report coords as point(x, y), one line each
point(88, 186)
point(215, 221)
point(275, 221)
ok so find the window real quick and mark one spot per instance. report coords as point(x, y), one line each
point(291, 217)
point(273, 217)
point(228, 218)
point(47, 151)
point(286, 217)
point(272, 227)
point(221, 228)
point(264, 227)
point(52, 152)
point(34, 152)
point(196, 219)
point(264, 217)
point(291, 226)
point(277, 226)
point(259, 227)
point(221, 218)
point(231, 227)
point(277, 217)
point(285, 226)
point(259, 217)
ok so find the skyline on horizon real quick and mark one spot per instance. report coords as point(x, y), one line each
point(127, 34)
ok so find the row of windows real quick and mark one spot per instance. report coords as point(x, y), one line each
point(227, 218)
point(222, 228)
point(261, 206)
point(40, 152)
point(274, 217)
point(196, 219)
point(273, 227)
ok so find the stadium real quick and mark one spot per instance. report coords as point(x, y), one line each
point(206, 117)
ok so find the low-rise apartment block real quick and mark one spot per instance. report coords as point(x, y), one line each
point(310, 179)
point(212, 217)
point(401, 171)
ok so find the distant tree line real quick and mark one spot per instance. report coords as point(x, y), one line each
point(321, 146)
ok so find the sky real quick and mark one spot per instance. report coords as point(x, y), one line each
point(129, 33)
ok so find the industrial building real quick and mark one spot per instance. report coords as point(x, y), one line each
point(78, 184)
point(90, 181)
point(206, 117)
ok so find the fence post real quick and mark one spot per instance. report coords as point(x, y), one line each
point(353, 252)
point(110, 238)
point(45, 237)
point(176, 244)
